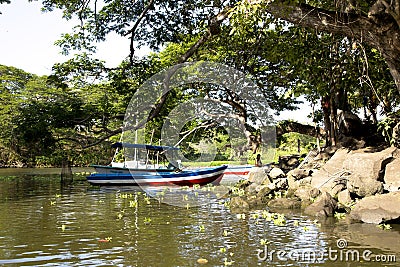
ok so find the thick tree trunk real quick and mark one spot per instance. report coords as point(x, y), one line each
point(325, 104)
point(380, 28)
point(394, 67)
point(332, 120)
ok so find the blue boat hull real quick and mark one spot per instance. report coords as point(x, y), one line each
point(200, 176)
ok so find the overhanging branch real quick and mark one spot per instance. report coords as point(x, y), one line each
point(292, 126)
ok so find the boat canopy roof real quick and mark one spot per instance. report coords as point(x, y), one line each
point(143, 146)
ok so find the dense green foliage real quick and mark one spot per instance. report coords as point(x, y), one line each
point(40, 122)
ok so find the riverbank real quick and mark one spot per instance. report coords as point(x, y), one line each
point(41, 171)
point(358, 185)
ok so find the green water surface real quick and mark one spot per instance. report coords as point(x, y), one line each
point(44, 222)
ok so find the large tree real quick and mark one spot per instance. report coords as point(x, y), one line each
point(46, 124)
point(155, 22)
point(376, 23)
point(210, 23)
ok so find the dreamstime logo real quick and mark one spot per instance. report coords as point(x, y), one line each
point(342, 254)
point(217, 96)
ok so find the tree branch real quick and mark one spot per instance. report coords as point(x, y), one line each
point(292, 126)
point(187, 133)
point(132, 31)
point(213, 27)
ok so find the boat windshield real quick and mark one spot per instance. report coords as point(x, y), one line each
point(144, 156)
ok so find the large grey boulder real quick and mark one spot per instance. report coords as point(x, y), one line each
point(369, 164)
point(239, 204)
point(279, 184)
point(323, 179)
point(253, 189)
point(263, 193)
point(305, 193)
point(392, 175)
point(294, 184)
point(259, 175)
point(276, 173)
point(324, 206)
point(298, 174)
point(363, 168)
point(364, 187)
point(377, 209)
point(366, 170)
point(284, 203)
point(344, 197)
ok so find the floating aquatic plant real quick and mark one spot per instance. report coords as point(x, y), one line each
point(147, 220)
point(263, 242)
point(266, 215)
point(146, 199)
point(277, 218)
point(124, 196)
point(241, 216)
point(238, 191)
point(226, 233)
point(340, 215)
point(384, 226)
point(208, 187)
point(133, 203)
point(222, 250)
point(196, 186)
point(52, 203)
point(228, 263)
point(280, 220)
point(201, 228)
point(227, 204)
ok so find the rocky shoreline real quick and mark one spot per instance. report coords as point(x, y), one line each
point(361, 185)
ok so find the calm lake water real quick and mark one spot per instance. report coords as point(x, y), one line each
point(44, 222)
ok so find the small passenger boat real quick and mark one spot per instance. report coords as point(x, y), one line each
point(200, 176)
point(150, 171)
